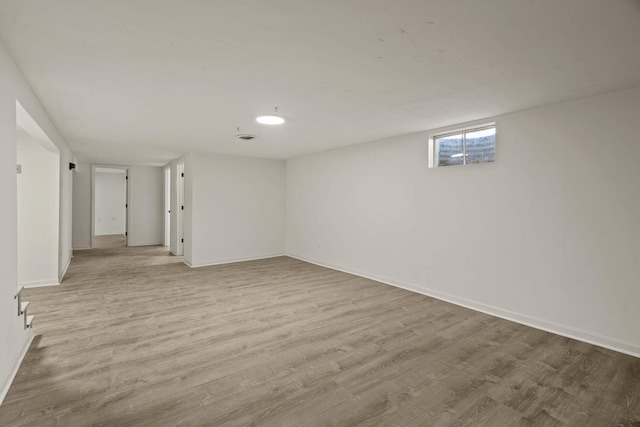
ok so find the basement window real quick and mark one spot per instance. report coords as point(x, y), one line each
point(463, 147)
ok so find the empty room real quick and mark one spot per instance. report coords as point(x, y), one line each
point(320, 213)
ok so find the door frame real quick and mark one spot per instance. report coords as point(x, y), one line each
point(167, 206)
point(180, 208)
point(127, 219)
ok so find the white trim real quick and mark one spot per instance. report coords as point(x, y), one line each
point(6, 384)
point(534, 322)
point(82, 249)
point(38, 284)
point(233, 260)
point(64, 271)
point(154, 243)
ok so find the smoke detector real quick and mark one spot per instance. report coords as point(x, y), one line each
point(245, 136)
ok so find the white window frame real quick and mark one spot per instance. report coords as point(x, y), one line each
point(434, 149)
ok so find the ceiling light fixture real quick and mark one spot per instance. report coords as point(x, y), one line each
point(271, 119)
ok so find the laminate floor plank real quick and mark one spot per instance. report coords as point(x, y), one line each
point(133, 337)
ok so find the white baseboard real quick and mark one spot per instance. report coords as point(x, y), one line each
point(154, 243)
point(232, 260)
point(6, 384)
point(64, 271)
point(82, 248)
point(534, 322)
point(38, 284)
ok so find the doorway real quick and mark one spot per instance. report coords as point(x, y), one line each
point(38, 203)
point(109, 215)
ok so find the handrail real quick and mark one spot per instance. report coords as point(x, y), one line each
point(22, 309)
point(18, 296)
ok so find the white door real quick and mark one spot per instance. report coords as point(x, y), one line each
point(167, 205)
point(180, 186)
point(126, 207)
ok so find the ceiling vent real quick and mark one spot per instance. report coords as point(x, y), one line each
point(245, 136)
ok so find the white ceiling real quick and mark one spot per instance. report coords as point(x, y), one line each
point(143, 82)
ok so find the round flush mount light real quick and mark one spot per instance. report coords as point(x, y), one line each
point(245, 136)
point(270, 120)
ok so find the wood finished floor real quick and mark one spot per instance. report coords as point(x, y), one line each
point(135, 337)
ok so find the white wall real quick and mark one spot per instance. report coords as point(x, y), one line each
point(66, 212)
point(547, 235)
point(234, 208)
point(146, 205)
point(13, 87)
point(82, 206)
point(110, 202)
point(38, 207)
